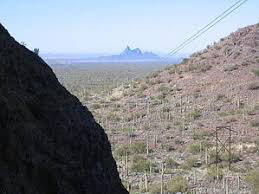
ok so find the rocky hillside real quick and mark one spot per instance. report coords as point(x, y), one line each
point(170, 117)
point(49, 142)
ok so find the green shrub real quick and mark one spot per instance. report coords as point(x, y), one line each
point(172, 70)
point(256, 72)
point(163, 88)
point(113, 99)
point(254, 124)
point(194, 148)
point(196, 114)
point(253, 180)
point(212, 173)
point(166, 109)
point(220, 97)
point(170, 163)
point(205, 68)
point(167, 147)
point(189, 163)
point(138, 148)
point(231, 67)
point(178, 185)
point(140, 164)
point(155, 188)
point(223, 157)
point(121, 151)
point(179, 142)
point(96, 106)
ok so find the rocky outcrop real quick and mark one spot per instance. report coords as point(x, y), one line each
point(49, 142)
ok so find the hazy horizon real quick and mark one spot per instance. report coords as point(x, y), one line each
point(87, 27)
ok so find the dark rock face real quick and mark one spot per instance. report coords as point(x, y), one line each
point(49, 142)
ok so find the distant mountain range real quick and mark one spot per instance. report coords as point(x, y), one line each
point(128, 55)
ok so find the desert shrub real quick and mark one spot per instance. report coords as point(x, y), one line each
point(185, 60)
point(166, 109)
point(138, 148)
point(254, 124)
point(113, 99)
point(205, 68)
point(189, 163)
point(96, 106)
point(172, 70)
point(220, 97)
point(256, 72)
point(170, 163)
point(231, 67)
point(253, 86)
point(179, 142)
point(235, 157)
point(163, 88)
point(178, 185)
point(121, 151)
point(253, 180)
point(140, 164)
point(112, 117)
point(213, 173)
point(167, 147)
point(154, 75)
point(196, 114)
point(141, 95)
point(223, 157)
point(155, 188)
point(194, 148)
point(143, 87)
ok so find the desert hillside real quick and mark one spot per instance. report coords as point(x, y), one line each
point(166, 122)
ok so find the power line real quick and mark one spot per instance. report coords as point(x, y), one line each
point(222, 14)
point(207, 29)
point(208, 26)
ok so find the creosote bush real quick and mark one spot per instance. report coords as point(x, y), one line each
point(171, 163)
point(195, 148)
point(196, 114)
point(140, 164)
point(256, 72)
point(138, 148)
point(253, 180)
point(231, 67)
point(179, 184)
point(190, 163)
point(254, 124)
point(213, 174)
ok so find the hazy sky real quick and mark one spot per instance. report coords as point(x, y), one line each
point(108, 26)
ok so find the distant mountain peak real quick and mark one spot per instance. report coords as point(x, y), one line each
point(136, 53)
point(131, 54)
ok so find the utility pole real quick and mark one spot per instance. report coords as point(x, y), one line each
point(222, 146)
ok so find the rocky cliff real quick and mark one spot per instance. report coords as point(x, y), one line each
point(49, 142)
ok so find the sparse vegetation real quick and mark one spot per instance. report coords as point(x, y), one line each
point(254, 86)
point(140, 164)
point(231, 67)
point(214, 174)
point(170, 117)
point(256, 72)
point(178, 185)
point(253, 180)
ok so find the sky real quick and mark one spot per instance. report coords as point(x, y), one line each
point(108, 26)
